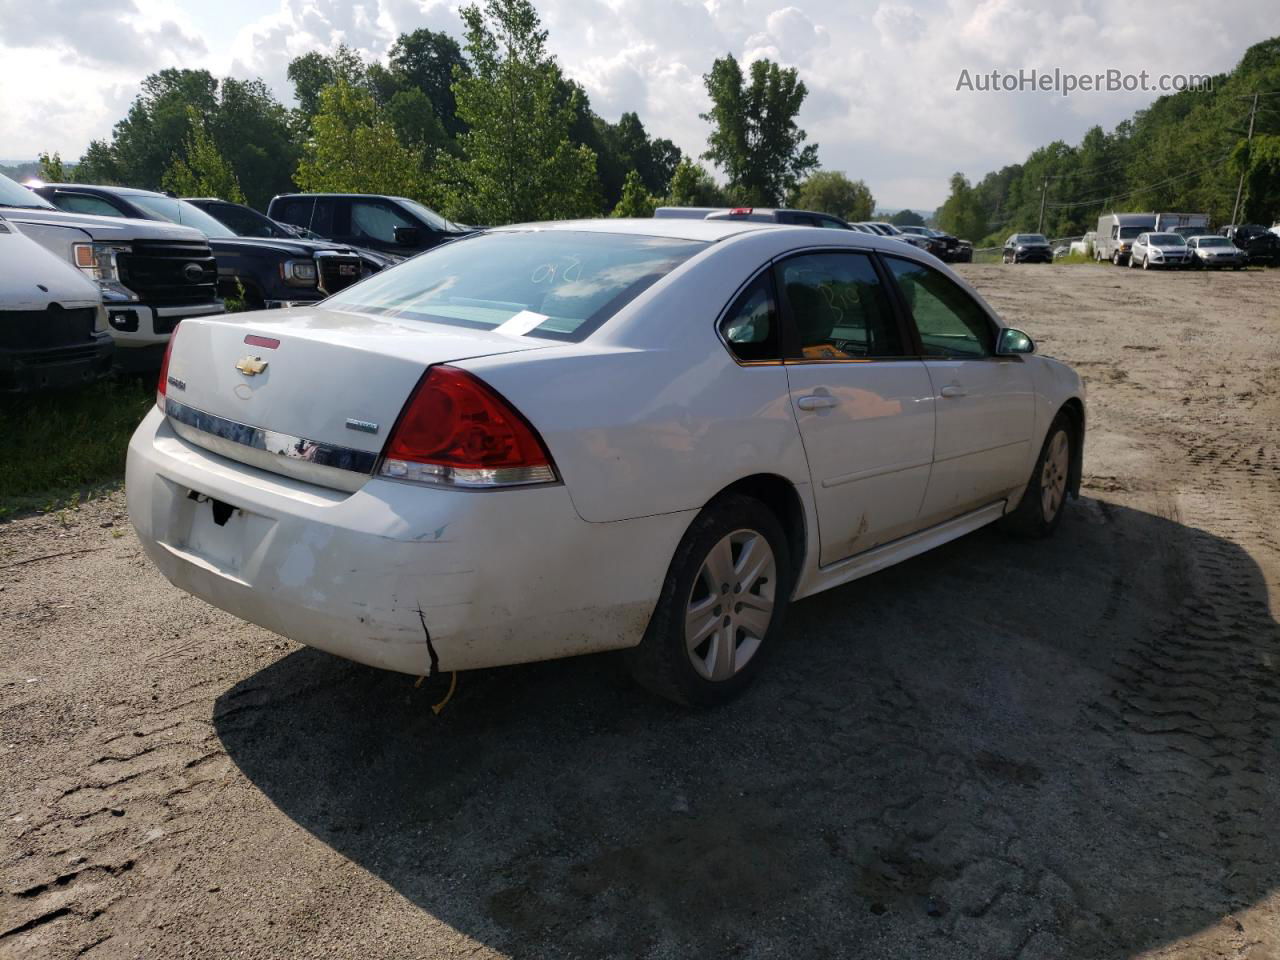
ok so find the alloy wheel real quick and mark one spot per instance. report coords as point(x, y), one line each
point(730, 605)
point(1053, 476)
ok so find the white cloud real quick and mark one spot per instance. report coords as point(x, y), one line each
point(882, 74)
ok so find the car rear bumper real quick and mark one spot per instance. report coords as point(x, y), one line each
point(52, 368)
point(396, 575)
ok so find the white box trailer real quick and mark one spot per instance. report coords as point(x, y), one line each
point(1170, 222)
point(1116, 233)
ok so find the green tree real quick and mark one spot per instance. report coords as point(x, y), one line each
point(313, 72)
point(692, 186)
point(51, 170)
point(200, 170)
point(636, 200)
point(517, 160)
point(424, 60)
point(249, 126)
point(354, 148)
point(830, 191)
point(907, 218)
point(1259, 161)
point(754, 137)
point(98, 164)
point(961, 215)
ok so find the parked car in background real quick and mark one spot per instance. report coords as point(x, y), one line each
point(1259, 244)
point(1159, 250)
point(1026, 248)
point(934, 241)
point(244, 221)
point(1116, 233)
point(1215, 252)
point(1084, 246)
point(884, 229)
point(487, 478)
point(53, 326)
point(394, 225)
point(281, 272)
point(1186, 233)
point(151, 275)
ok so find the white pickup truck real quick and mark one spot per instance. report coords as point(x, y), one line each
point(53, 326)
point(151, 275)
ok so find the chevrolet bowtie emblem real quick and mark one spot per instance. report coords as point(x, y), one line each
point(251, 366)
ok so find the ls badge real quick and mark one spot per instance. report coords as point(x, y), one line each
point(251, 366)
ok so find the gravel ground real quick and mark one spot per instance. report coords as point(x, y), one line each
point(1055, 749)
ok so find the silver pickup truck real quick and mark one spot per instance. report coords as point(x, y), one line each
point(151, 274)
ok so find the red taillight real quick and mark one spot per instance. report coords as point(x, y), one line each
point(456, 430)
point(163, 382)
point(741, 211)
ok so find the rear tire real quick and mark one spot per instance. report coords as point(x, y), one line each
point(1045, 499)
point(721, 608)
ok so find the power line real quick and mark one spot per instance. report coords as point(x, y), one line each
point(1142, 189)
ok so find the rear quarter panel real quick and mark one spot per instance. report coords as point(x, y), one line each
point(652, 414)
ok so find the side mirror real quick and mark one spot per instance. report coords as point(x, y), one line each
point(407, 236)
point(1013, 342)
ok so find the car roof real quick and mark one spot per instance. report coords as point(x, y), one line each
point(712, 231)
point(108, 188)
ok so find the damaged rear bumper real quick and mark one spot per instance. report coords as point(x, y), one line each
point(396, 575)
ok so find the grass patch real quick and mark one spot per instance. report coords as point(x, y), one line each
point(1074, 258)
point(61, 447)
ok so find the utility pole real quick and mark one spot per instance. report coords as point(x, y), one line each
point(1044, 192)
point(1240, 188)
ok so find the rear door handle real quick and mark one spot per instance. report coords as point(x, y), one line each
point(816, 401)
point(953, 390)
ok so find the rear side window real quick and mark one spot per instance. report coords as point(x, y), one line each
point(840, 309)
point(950, 322)
point(559, 284)
point(750, 328)
point(84, 203)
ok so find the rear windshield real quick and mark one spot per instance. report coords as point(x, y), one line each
point(548, 283)
point(1213, 242)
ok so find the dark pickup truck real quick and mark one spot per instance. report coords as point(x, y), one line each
point(393, 225)
point(1260, 245)
point(272, 272)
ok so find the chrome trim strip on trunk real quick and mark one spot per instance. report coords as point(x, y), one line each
point(324, 464)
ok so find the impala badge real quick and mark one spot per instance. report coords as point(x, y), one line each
point(364, 426)
point(251, 366)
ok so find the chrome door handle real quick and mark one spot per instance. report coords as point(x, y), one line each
point(953, 390)
point(816, 401)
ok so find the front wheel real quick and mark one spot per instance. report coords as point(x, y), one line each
point(1040, 511)
point(721, 607)
point(1146, 264)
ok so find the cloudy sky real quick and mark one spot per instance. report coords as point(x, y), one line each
point(882, 74)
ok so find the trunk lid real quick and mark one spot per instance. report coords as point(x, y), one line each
point(327, 396)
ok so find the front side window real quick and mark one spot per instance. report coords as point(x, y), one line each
point(181, 212)
point(374, 220)
point(84, 203)
point(950, 322)
point(840, 309)
point(750, 328)
point(560, 284)
point(246, 222)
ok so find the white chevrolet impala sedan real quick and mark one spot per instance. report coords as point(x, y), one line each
point(556, 439)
